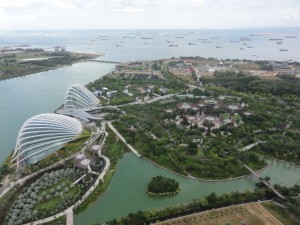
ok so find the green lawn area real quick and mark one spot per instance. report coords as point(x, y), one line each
point(57, 200)
point(66, 181)
point(74, 192)
point(281, 214)
point(49, 204)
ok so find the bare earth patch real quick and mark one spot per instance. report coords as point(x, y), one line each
point(249, 214)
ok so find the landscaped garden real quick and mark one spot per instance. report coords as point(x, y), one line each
point(48, 195)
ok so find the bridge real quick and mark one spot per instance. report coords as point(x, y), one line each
point(265, 182)
point(69, 216)
point(123, 139)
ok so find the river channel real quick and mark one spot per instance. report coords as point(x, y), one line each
point(23, 97)
point(126, 192)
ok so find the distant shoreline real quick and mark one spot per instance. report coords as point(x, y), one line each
point(29, 62)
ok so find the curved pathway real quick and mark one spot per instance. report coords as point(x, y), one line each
point(164, 168)
point(69, 212)
point(123, 139)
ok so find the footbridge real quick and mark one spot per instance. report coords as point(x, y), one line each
point(265, 182)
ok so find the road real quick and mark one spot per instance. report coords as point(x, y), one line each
point(248, 147)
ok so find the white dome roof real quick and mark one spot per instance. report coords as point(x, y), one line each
point(43, 134)
point(78, 96)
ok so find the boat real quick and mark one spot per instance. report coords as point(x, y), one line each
point(173, 45)
point(234, 41)
point(192, 44)
point(243, 48)
point(219, 47)
point(283, 50)
point(129, 36)
point(147, 38)
point(275, 39)
point(117, 45)
point(214, 38)
point(168, 41)
point(202, 39)
point(245, 39)
point(290, 36)
point(264, 33)
point(279, 42)
point(249, 47)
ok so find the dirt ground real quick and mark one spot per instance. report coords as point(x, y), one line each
point(248, 214)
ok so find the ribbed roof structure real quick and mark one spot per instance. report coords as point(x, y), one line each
point(42, 135)
point(78, 96)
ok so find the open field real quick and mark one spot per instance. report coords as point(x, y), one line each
point(250, 214)
point(283, 215)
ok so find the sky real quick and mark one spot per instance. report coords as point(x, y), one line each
point(147, 14)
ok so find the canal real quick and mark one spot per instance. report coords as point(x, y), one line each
point(126, 191)
point(21, 98)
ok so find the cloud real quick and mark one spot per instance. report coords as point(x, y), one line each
point(76, 14)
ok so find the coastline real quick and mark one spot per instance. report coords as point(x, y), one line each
point(283, 161)
point(91, 55)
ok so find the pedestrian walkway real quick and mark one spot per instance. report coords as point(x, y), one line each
point(69, 216)
point(123, 139)
point(265, 182)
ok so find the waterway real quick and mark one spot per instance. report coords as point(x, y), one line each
point(21, 98)
point(260, 46)
point(126, 192)
point(24, 97)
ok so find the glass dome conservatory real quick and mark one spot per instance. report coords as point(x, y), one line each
point(42, 135)
point(78, 96)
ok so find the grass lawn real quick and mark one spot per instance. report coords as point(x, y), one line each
point(249, 214)
point(66, 181)
point(49, 204)
point(281, 214)
point(57, 200)
point(74, 192)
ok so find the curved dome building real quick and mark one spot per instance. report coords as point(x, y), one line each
point(42, 135)
point(78, 96)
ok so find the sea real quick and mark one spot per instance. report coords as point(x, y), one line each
point(280, 44)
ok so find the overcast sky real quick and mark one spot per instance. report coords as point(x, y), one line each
point(148, 14)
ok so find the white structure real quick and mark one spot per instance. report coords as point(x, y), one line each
point(85, 162)
point(78, 96)
point(79, 156)
point(42, 135)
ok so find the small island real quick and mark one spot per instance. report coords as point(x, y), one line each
point(161, 186)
